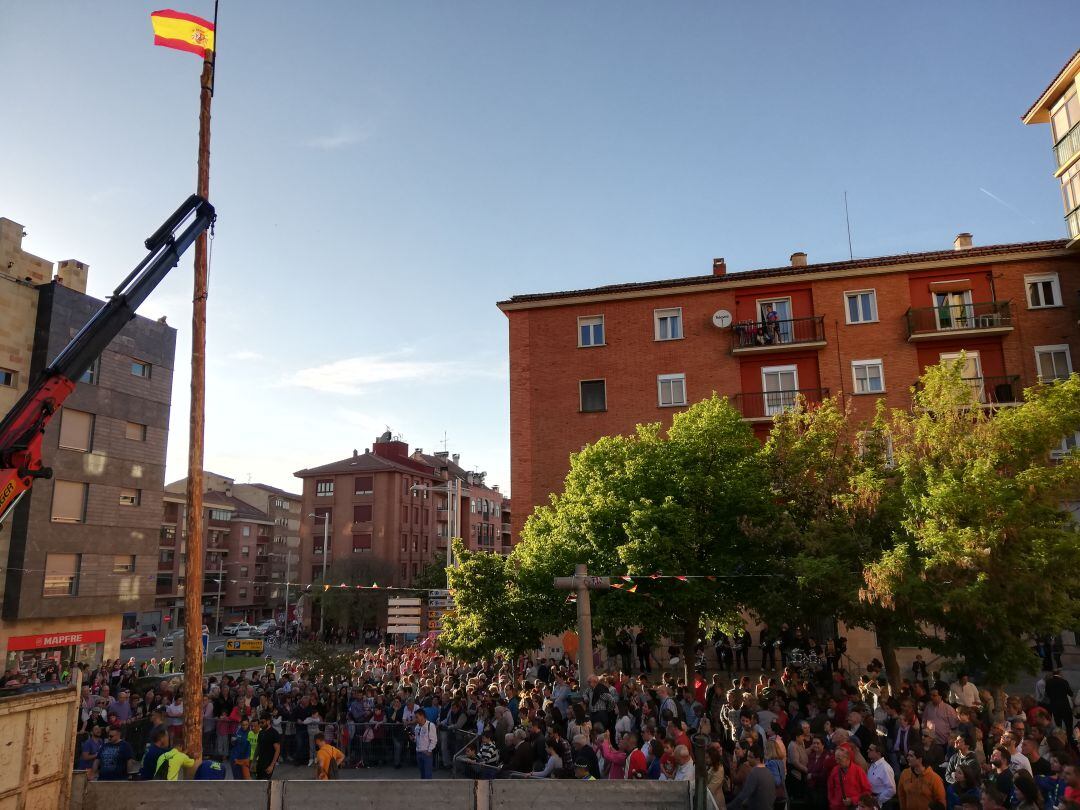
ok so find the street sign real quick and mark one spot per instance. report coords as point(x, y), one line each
point(440, 603)
point(439, 593)
point(407, 629)
point(244, 646)
point(404, 601)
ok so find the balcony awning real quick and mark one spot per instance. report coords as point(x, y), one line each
point(957, 285)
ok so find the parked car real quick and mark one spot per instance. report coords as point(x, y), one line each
point(173, 639)
point(266, 627)
point(144, 639)
point(238, 629)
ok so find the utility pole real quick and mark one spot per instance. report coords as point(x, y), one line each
point(582, 583)
point(220, 583)
point(193, 593)
point(325, 554)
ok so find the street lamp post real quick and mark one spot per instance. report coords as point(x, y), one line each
point(453, 488)
point(325, 546)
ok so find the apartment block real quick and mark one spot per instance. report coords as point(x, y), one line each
point(79, 551)
point(594, 362)
point(238, 556)
point(394, 511)
point(1059, 106)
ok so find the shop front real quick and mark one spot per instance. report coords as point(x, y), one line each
point(38, 653)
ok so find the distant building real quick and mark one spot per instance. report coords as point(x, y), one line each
point(1059, 106)
point(244, 551)
point(79, 551)
point(393, 511)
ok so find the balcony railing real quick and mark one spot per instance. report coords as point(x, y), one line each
point(1004, 390)
point(1067, 146)
point(1073, 223)
point(747, 336)
point(167, 537)
point(767, 404)
point(988, 316)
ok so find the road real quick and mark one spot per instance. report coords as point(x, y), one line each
point(159, 651)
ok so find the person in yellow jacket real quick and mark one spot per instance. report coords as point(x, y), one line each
point(327, 758)
point(171, 763)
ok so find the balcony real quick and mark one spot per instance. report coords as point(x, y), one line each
point(1067, 146)
point(167, 537)
point(262, 558)
point(764, 405)
point(993, 391)
point(1073, 223)
point(752, 337)
point(955, 320)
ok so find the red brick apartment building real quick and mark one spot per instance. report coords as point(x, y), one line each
point(396, 510)
point(594, 362)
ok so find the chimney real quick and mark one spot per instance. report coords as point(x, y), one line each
point(962, 241)
point(354, 453)
point(456, 457)
point(798, 259)
point(719, 267)
point(72, 274)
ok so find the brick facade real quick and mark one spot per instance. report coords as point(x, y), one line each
point(546, 363)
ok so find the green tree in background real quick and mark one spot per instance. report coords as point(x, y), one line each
point(987, 542)
point(351, 607)
point(433, 575)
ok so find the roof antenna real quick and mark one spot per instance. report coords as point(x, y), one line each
point(847, 217)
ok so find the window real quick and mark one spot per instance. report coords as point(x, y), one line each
point(140, 369)
point(415, 569)
point(953, 310)
point(361, 513)
point(62, 574)
point(672, 389)
point(246, 531)
point(130, 496)
point(364, 484)
point(166, 555)
point(591, 331)
point(780, 387)
point(405, 487)
point(242, 593)
point(69, 502)
point(415, 543)
point(220, 514)
point(667, 324)
point(1065, 116)
point(76, 430)
point(593, 395)
point(1070, 187)
point(1043, 291)
point(243, 570)
point(869, 376)
point(244, 550)
point(404, 571)
point(1053, 362)
point(361, 543)
point(123, 564)
point(324, 487)
point(404, 514)
point(90, 376)
point(861, 306)
point(971, 373)
point(7, 378)
point(135, 431)
point(1068, 445)
point(324, 516)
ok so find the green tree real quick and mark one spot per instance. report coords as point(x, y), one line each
point(351, 607)
point(840, 508)
point(987, 539)
point(641, 504)
point(433, 575)
point(490, 611)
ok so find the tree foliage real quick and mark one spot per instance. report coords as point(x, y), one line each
point(352, 607)
point(433, 575)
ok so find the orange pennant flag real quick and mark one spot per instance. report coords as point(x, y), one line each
point(184, 32)
point(632, 590)
point(681, 578)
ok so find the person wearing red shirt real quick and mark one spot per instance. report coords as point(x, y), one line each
point(636, 765)
point(847, 782)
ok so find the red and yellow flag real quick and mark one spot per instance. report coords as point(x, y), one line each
point(185, 32)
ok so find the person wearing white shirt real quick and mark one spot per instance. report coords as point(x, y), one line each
point(881, 776)
point(426, 737)
point(964, 692)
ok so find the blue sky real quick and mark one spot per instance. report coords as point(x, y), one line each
point(384, 172)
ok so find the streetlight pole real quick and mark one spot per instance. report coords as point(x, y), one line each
point(221, 580)
point(325, 546)
point(453, 508)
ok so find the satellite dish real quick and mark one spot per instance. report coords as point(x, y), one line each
point(721, 319)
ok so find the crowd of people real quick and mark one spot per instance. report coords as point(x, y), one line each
point(819, 737)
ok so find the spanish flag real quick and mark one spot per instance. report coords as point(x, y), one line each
point(185, 32)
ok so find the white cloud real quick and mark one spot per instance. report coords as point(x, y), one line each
point(339, 139)
point(354, 375)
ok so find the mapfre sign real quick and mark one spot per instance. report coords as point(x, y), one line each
point(47, 641)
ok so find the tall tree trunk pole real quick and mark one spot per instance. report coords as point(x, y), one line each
point(193, 591)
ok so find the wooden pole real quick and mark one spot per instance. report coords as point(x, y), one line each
point(193, 590)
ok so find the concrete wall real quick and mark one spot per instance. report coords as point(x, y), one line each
point(459, 794)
